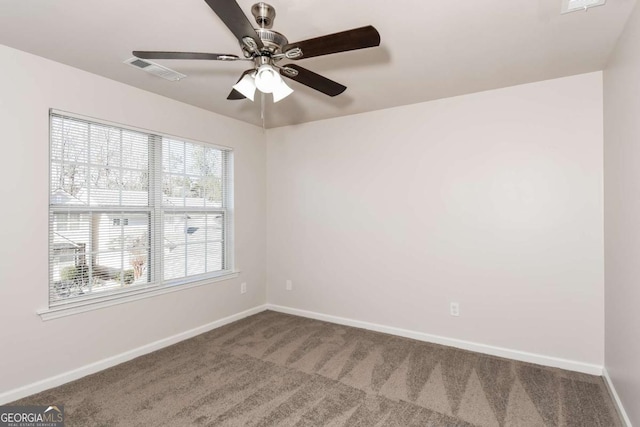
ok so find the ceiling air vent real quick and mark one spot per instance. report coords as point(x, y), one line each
point(155, 69)
point(575, 5)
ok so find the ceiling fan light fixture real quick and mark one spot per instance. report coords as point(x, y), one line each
point(246, 86)
point(265, 47)
point(267, 79)
point(281, 91)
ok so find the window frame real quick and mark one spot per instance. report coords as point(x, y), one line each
point(156, 211)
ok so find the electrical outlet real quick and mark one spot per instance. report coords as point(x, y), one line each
point(454, 309)
point(289, 285)
point(243, 287)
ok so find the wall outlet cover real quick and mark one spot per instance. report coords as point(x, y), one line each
point(454, 309)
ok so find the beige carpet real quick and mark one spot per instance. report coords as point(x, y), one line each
point(273, 369)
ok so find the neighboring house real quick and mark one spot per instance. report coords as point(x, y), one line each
point(105, 233)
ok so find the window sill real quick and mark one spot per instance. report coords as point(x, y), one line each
point(115, 299)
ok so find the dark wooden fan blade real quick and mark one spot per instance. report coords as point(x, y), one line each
point(234, 94)
point(184, 55)
point(358, 38)
point(234, 18)
point(314, 81)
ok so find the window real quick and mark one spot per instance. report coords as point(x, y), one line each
point(132, 211)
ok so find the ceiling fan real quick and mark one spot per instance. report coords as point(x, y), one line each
point(265, 48)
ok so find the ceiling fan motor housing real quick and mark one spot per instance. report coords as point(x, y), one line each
point(272, 40)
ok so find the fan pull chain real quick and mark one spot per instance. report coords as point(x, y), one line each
point(262, 110)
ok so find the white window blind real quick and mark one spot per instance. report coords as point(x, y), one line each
point(132, 210)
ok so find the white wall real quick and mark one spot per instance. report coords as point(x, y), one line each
point(493, 200)
point(622, 216)
point(34, 350)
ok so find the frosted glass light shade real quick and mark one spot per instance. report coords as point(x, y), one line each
point(246, 86)
point(281, 91)
point(267, 79)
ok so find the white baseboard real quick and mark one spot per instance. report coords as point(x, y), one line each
point(92, 368)
point(616, 398)
point(522, 356)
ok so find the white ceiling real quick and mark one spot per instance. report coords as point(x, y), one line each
point(429, 49)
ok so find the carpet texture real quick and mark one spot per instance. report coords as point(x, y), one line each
point(273, 369)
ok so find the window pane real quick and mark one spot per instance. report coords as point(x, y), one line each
point(105, 146)
point(197, 160)
point(173, 156)
point(214, 257)
point(174, 228)
point(193, 175)
point(135, 150)
point(212, 191)
point(68, 184)
point(107, 268)
point(193, 244)
point(174, 246)
point(173, 190)
point(98, 165)
point(70, 255)
point(135, 188)
point(194, 193)
point(196, 228)
point(70, 235)
point(99, 251)
point(215, 227)
point(69, 140)
point(196, 255)
point(105, 187)
point(174, 260)
point(122, 249)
